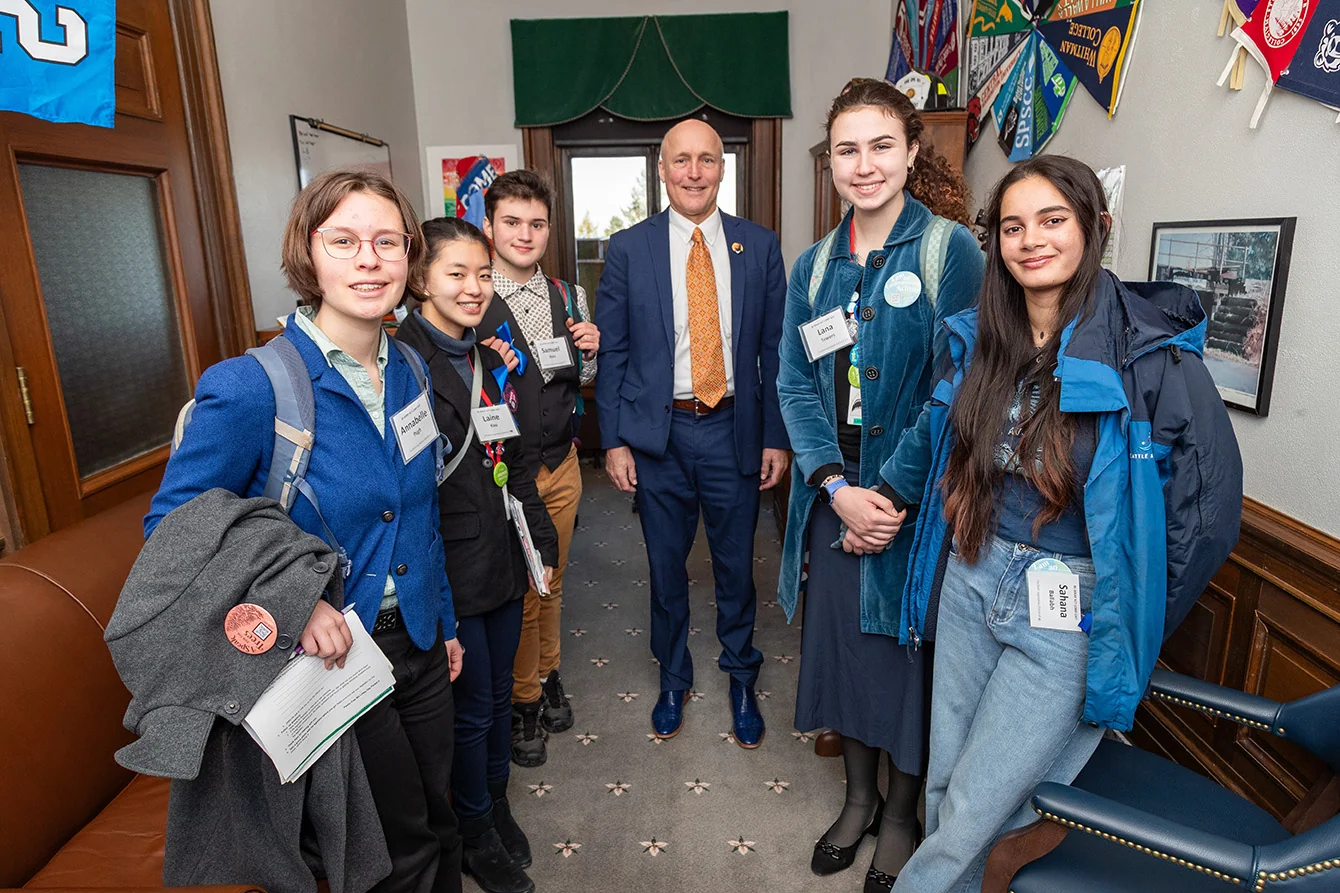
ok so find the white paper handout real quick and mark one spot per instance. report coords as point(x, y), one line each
point(534, 563)
point(307, 707)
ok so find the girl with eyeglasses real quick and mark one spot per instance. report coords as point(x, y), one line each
point(351, 247)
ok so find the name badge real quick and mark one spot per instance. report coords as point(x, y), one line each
point(415, 428)
point(1053, 596)
point(825, 335)
point(854, 407)
point(552, 354)
point(494, 423)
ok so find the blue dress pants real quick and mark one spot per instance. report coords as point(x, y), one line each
point(699, 471)
point(483, 692)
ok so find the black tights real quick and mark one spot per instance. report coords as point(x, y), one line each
point(899, 830)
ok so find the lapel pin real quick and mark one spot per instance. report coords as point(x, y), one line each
point(737, 247)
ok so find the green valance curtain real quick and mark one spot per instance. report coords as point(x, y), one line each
point(651, 68)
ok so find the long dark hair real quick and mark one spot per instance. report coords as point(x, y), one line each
point(1005, 357)
point(932, 181)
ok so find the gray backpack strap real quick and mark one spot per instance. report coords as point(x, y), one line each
point(420, 370)
point(821, 258)
point(295, 418)
point(934, 250)
point(476, 389)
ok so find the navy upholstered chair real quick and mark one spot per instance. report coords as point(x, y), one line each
point(1133, 821)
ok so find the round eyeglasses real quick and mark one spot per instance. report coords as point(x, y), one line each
point(343, 244)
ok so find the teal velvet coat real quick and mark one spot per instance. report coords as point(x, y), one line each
point(899, 346)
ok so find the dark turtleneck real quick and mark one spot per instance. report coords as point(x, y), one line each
point(458, 349)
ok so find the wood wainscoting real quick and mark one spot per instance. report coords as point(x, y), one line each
point(1268, 624)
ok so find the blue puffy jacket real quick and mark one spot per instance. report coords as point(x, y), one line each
point(1163, 499)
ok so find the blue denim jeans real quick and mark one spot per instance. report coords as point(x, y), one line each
point(1006, 704)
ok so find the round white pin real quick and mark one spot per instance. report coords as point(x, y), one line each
point(902, 289)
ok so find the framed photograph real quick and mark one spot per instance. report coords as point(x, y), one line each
point(457, 172)
point(1240, 269)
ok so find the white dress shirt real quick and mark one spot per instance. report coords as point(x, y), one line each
point(681, 240)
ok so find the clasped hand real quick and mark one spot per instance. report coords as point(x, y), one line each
point(872, 522)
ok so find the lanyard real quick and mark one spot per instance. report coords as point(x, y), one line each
point(495, 449)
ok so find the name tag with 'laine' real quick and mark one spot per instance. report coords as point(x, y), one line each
point(415, 428)
point(494, 423)
point(1053, 596)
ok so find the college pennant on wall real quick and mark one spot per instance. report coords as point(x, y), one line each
point(1297, 44)
point(1025, 58)
point(925, 39)
point(57, 59)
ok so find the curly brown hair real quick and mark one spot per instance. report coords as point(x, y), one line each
point(932, 181)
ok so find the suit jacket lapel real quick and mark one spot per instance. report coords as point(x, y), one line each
point(658, 240)
point(733, 233)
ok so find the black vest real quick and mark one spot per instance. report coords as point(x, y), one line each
point(544, 411)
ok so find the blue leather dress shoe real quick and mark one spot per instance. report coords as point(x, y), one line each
point(667, 717)
point(747, 722)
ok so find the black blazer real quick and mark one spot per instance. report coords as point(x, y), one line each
point(485, 564)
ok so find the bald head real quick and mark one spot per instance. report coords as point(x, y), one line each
point(691, 168)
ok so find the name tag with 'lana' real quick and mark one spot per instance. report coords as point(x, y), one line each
point(415, 428)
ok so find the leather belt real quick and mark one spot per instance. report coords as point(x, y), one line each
point(699, 408)
point(387, 620)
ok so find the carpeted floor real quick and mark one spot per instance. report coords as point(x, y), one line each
point(614, 809)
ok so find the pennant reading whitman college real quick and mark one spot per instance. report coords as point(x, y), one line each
point(1092, 37)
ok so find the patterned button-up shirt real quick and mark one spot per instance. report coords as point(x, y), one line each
point(529, 303)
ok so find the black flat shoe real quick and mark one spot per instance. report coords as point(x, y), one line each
point(829, 858)
point(877, 881)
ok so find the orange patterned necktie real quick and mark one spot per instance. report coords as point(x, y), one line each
point(708, 362)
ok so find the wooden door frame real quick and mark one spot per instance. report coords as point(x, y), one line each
point(221, 235)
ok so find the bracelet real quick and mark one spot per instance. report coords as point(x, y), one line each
point(830, 479)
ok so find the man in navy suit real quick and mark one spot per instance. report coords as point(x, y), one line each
point(690, 313)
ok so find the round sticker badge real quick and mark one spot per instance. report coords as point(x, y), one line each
point(509, 397)
point(500, 474)
point(1049, 565)
point(250, 628)
point(902, 289)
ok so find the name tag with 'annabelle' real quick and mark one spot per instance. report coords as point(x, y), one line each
point(415, 428)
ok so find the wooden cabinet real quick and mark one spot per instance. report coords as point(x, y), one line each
point(1268, 624)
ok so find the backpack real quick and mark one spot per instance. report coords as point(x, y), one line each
point(934, 245)
point(295, 427)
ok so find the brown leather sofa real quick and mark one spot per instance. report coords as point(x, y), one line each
point(70, 817)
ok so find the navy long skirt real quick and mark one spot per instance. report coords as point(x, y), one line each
point(862, 685)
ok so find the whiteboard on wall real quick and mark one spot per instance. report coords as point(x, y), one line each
point(319, 147)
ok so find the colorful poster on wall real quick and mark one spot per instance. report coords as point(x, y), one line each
point(458, 177)
point(57, 60)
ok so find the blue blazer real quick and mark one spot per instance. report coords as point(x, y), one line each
point(635, 314)
point(358, 475)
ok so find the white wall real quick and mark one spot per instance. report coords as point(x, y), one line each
point(464, 93)
point(344, 61)
point(1189, 155)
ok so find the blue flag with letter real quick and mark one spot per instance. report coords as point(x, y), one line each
point(57, 59)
